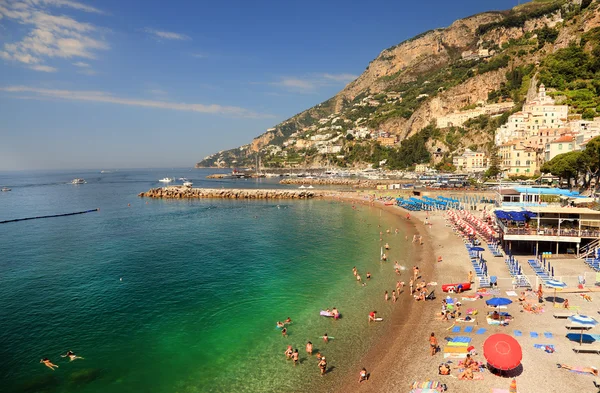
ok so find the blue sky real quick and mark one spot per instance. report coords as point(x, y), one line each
point(123, 84)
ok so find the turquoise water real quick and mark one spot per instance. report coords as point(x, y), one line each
point(178, 295)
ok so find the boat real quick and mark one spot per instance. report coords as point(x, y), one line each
point(302, 186)
point(187, 183)
point(166, 180)
point(77, 181)
point(310, 187)
point(465, 286)
point(5, 189)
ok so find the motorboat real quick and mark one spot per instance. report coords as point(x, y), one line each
point(5, 189)
point(166, 180)
point(78, 181)
point(187, 183)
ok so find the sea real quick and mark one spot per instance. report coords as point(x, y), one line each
point(183, 296)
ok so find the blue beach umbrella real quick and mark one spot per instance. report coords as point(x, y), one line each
point(584, 322)
point(556, 285)
point(552, 271)
point(477, 249)
point(498, 301)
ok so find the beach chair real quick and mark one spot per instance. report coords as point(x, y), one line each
point(592, 348)
point(493, 281)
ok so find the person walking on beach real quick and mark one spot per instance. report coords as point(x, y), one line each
point(295, 357)
point(421, 240)
point(394, 298)
point(386, 297)
point(323, 365)
point(309, 348)
point(399, 286)
point(433, 344)
point(470, 277)
point(540, 293)
point(48, 363)
point(410, 284)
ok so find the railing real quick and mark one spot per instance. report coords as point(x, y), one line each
point(589, 249)
point(550, 232)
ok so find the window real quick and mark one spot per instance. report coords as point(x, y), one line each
point(560, 146)
point(570, 146)
point(517, 170)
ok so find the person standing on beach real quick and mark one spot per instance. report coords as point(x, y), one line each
point(433, 344)
point(410, 284)
point(363, 376)
point(309, 348)
point(386, 297)
point(394, 298)
point(399, 286)
point(470, 276)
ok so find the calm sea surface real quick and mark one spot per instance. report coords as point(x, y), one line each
point(181, 295)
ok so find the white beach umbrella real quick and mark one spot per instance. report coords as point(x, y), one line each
point(556, 285)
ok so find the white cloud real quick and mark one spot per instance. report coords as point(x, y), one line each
point(43, 68)
point(312, 82)
point(100, 96)
point(345, 78)
point(51, 36)
point(297, 84)
point(81, 64)
point(66, 3)
point(167, 35)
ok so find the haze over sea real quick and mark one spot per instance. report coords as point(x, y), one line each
point(203, 283)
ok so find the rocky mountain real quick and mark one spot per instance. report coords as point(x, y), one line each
point(488, 58)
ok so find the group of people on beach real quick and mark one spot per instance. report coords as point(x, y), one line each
point(70, 354)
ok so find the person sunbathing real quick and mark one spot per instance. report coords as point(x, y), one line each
point(522, 297)
point(590, 370)
point(467, 374)
point(566, 304)
point(444, 369)
point(586, 297)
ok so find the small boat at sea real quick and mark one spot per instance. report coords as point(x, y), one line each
point(166, 180)
point(5, 189)
point(78, 181)
point(310, 187)
point(187, 183)
point(302, 186)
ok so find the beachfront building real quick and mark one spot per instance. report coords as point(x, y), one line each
point(421, 168)
point(554, 229)
point(564, 144)
point(518, 159)
point(538, 114)
point(471, 162)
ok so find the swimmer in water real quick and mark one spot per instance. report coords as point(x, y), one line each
point(71, 356)
point(48, 363)
point(288, 320)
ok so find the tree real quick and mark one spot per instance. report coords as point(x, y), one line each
point(590, 161)
point(566, 166)
point(494, 169)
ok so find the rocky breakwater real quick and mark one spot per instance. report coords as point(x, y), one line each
point(199, 193)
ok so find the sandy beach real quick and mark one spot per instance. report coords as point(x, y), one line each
point(402, 356)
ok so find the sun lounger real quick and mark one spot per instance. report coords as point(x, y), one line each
point(578, 327)
point(563, 315)
point(593, 348)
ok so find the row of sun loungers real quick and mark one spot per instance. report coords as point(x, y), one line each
point(539, 270)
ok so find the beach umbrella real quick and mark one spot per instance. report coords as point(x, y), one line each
point(498, 301)
point(552, 271)
point(502, 351)
point(556, 285)
point(583, 322)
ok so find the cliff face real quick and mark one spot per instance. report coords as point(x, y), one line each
point(431, 75)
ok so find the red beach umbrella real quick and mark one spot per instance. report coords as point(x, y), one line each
point(502, 351)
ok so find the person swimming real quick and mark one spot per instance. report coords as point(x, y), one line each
point(288, 320)
point(71, 356)
point(48, 363)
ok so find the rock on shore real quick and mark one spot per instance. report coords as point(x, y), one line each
point(182, 193)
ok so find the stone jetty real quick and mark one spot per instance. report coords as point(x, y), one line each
point(197, 193)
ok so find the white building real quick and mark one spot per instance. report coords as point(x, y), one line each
point(471, 161)
point(537, 114)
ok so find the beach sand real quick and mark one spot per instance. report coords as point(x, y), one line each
point(402, 356)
